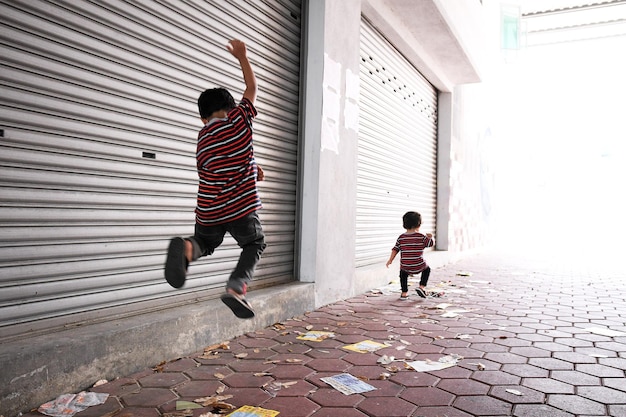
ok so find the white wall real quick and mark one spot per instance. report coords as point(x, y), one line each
point(428, 34)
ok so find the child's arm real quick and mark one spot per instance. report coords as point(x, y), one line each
point(238, 49)
point(392, 257)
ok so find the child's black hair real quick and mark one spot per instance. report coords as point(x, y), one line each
point(215, 99)
point(411, 220)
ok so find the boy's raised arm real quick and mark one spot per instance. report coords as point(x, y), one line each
point(238, 49)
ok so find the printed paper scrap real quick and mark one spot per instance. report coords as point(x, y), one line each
point(249, 411)
point(365, 346)
point(429, 366)
point(315, 336)
point(67, 405)
point(347, 384)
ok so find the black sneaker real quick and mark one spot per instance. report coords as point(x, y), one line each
point(176, 263)
point(420, 292)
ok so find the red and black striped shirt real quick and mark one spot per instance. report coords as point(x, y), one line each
point(227, 170)
point(411, 247)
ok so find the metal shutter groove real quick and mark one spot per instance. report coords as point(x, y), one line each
point(397, 148)
point(97, 162)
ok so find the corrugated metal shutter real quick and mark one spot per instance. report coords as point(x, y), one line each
point(397, 150)
point(97, 163)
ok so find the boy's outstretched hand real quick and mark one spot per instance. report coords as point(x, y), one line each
point(237, 48)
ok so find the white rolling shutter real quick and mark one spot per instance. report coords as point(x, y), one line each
point(397, 150)
point(97, 160)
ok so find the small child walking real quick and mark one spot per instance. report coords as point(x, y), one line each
point(411, 245)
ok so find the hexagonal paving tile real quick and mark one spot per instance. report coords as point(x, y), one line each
point(163, 380)
point(576, 405)
point(292, 406)
point(182, 364)
point(509, 394)
point(603, 395)
point(483, 406)
point(427, 396)
point(149, 397)
point(328, 365)
point(198, 388)
point(539, 410)
point(548, 386)
point(386, 406)
point(327, 397)
point(291, 371)
point(463, 386)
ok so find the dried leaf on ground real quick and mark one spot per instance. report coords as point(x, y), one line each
point(212, 400)
point(159, 367)
point(223, 345)
point(241, 355)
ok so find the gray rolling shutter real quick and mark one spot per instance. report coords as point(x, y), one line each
point(397, 148)
point(97, 160)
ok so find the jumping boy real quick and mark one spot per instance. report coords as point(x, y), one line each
point(411, 245)
point(227, 191)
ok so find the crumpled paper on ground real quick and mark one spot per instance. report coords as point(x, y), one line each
point(67, 405)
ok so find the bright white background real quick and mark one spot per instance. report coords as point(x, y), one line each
point(559, 124)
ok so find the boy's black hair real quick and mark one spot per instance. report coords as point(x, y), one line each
point(215, 99)
point(411, 219)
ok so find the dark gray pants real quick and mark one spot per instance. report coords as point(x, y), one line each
point(248, 233)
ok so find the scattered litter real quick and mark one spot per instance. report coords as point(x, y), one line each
point(514, 392)
point(428, 365)
point(219, 376)
point(384, 376)
point(479, 365)
point(598, 355)
point(293, 360)
point(98, 383)
point(465, 273)
point(605, 332)
point(365, 346)
point(69, 404)
point(392, 368)
point(449, 314)
point(211, 352)
point(215, 401)
point(186, 405)
point(273, 386)
point(241, 355)
point(385, 360)
point(316, 336)
point(262, 374)
point(443, 306)
point(347, 384)
point(249, 411)
point(462, 336)
point(479, 281)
